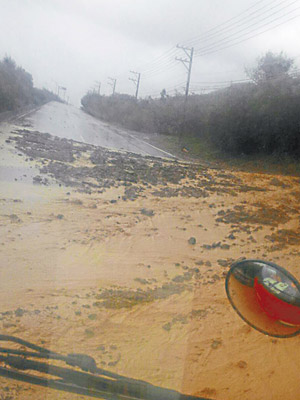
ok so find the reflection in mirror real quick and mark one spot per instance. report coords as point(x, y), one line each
point(266, 296)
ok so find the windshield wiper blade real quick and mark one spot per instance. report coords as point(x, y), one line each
point(94, 382)
point(58, 385)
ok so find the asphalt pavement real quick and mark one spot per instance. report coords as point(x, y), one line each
point(69, 122)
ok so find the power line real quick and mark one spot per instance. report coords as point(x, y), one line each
point(225, 39)
point(166, 61)
point(216, 32)
point(250, 37)
point(159, 63)
point(180, 73)
point(145, 66)
point(159, 69)
point(237, 29)
point(159, 60)
point(168, 89)
point(224, 82)
point(218, 46)
point(191, 41)
point(214, 46)
point(210, 86)
point(294, 73)
point(217, 85)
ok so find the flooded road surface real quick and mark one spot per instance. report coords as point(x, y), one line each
point(72, 123)
point(124, 258)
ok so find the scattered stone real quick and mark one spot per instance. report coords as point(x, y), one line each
point(242, 364)
point(216, 344)
point(167, 327)
point(9, 325)
point(19, 312)
point(225, 263)
point(89, 332)
point(284, 238)
point(77, 202)
point(14, 218)
point(225, 246)
point(38, 180)
point(277, 182)
point(208, 392)
point(178, 278)
point(141, 281)
point(192, 240)
point(259, 213)
point(149, 213)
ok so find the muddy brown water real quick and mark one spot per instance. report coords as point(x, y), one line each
point(85, 269)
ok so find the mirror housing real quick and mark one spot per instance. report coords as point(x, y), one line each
point(266, 296)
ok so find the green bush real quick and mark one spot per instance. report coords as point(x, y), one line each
point(16, 88)
point(258, 117)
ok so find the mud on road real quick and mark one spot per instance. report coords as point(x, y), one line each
point(124, 257)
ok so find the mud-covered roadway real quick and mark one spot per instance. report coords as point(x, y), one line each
point(124, 257)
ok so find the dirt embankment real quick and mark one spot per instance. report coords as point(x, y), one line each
point(124, 257)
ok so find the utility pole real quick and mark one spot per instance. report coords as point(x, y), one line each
point(98, 86)
point(62, 88)
point(136, 81)
point(113, 84)
point(187, 62)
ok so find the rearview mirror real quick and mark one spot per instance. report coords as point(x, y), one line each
point(265, 296)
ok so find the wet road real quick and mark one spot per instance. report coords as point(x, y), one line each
point(72, 123)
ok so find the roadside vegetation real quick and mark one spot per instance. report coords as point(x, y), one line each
point(249, 120)
point(17, 90)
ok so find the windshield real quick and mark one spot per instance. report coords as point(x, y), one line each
point(144, 148)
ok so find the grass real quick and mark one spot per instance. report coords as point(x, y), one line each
point(193, 148)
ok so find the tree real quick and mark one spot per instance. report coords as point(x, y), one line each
point(16, 87)
point(271, 67)
point(163, 94)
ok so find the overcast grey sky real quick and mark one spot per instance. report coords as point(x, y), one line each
point(74, 43)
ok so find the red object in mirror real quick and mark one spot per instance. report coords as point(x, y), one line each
point(266, 296)
point(276, 308)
